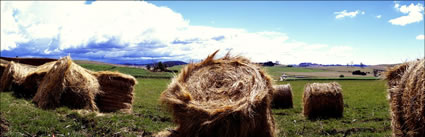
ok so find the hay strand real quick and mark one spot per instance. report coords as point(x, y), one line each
point(323, 100)
point(226, 97)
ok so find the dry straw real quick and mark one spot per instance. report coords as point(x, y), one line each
point(67, 84)
point(322, 100)
point(407, 98)
point(282, 96)
point(226, 97)
point(117, 91)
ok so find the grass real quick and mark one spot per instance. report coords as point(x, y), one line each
point(365, 112)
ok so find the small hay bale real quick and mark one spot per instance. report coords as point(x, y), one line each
point(27, 86)
point(323, 100)
point(117, 90)
point(67, 84)
point(3, 65)
point(226, 97)
point(406, 91)
point(13, 73)
point(282, 96)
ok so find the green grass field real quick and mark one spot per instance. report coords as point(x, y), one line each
point(365, 113)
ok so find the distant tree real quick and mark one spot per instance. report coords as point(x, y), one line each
point(341, 76)
point(161, 66)
point(148, 67)
point(362, 65)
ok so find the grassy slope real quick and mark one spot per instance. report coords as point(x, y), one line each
point(365, 114)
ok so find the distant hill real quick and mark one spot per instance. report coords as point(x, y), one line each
point(174, 63)
point(168, 63)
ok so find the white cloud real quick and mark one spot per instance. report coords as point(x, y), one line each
point(344, 13)
point(379, 16)
point(133, 31)
point(414, 14)
point(420, 37)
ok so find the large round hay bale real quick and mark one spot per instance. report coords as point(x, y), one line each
point(13, 73)
point(226, 97)
point(117, 90)
point(67, 84)
point(323, 100)
point(282, 96)
point(407, 98)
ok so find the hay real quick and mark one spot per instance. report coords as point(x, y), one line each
point(407, 98)
point(67, 84)
point(323, 100)
point(13, 73)
point(117, 91)
point(226, 97)
point(282, 96)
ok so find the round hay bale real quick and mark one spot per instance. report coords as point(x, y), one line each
point(226, 97)
point(323, 100)
point(13, 73)
point(406, 92)
point(282, 96)
point(117, 90)
point(67, 84)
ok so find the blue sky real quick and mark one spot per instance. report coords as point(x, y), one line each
point(329, 32)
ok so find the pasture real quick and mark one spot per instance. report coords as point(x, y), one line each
point(366, 111)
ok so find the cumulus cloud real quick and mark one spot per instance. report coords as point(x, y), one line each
point(130, 32)
point(420, 37)
point(379, 16)
point(414, 14)
point(344, 13)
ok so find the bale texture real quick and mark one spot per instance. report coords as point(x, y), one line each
point(282, 96)
point(323, 100)
point(117, 90)
point(226, 97)
point(406, 93)
point(67, 84)
point(13, 73)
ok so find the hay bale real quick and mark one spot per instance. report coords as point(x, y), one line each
point(27, 85)
point(13, 73)
point(67, 84)
point(226, 97)
point(323, 100)
point(406, 92)
point(3, 65)
point(282, 96)
point(117, 90)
